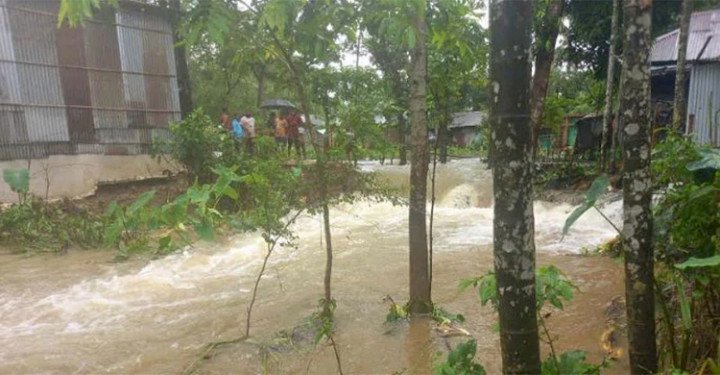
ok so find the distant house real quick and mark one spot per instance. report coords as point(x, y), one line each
point(465, 127)
point(703, 80)
point(107, 88)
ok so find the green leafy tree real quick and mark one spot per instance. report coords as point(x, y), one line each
point(548, 14)
point(457, 56)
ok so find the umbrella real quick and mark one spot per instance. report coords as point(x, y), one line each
point(277, 103)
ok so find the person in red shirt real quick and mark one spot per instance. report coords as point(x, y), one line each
point(294, 123)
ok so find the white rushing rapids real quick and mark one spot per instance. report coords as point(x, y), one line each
point(140, 319)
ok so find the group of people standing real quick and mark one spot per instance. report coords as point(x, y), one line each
point(288, 130)
point(242, 127)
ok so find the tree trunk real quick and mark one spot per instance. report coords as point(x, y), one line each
point(443, 136)
point(260, 85)
point(327, 303)
point(609, 84)
point(403, 142)
point(637, 186)
point(511, 147)
point(680, 107)
point(544, 55)
point(181, 66)
point(420, 301)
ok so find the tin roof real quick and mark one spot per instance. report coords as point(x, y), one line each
point(703, 41)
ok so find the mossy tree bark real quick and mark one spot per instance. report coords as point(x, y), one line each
point(420, 300)
point(679, 105)
point(637, 186)
point(511, 147)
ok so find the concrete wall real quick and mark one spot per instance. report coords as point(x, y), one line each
point(73, 176)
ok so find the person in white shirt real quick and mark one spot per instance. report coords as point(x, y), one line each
point(248, 124)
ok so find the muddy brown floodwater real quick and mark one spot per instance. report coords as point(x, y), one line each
point(82, 314)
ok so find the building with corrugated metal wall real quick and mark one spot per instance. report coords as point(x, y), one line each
point(704, 103)
point(703, 68)
point(108, 87)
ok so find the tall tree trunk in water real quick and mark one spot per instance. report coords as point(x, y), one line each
point(679, 106)
point(511, 147)
point(609, 85)
point(327, 302)
point(181, 67)
point(544, 55)
point(420, 301)
point(443, 135)
point(637, 186)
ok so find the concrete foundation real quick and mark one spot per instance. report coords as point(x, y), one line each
point(72, 176)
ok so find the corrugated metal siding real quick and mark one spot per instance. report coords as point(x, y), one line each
point(704, 102)
point(109, 87)
point(33, 37)
point(106, 82)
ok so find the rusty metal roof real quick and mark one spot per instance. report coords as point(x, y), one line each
point(703, 41)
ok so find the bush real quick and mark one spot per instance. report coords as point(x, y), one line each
point(200, 144)
point(36, 225)
point(687, 248)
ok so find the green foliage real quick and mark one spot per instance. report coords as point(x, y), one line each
point(131, 228)
point(75, 12)
point(17, 179)
point(551, 287)
point(670, 159)
point(324, 319)
point(572, 362)
point(598, 187)
point(441, 316)
point(200, 144)
point(713, 261)
point(687, 239)
point(460, 361)
point(36, 225)
point(396, 312)
point(709, 159)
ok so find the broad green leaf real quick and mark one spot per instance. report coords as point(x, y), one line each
point(685, 311)
point(466, 283)
point(713, 261)
point(574, 216)
point(710, 158)
point(17, 179)
point(113, 232)
point(596, 190)
point(702, 192)
point(231, 193)
point(205, 230)
point(140, 202)
point(111, 209)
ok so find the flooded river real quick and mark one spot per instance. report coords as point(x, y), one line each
point(80, 313)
